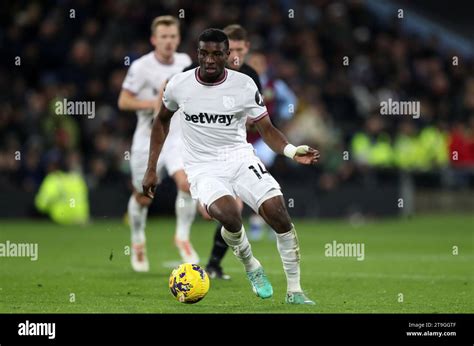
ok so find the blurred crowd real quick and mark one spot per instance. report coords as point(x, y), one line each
point(336, 57)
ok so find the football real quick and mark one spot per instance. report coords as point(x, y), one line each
point(189, 283)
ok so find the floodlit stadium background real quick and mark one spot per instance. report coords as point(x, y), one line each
point(340, 60)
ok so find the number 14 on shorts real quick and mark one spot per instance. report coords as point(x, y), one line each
point(262, 170)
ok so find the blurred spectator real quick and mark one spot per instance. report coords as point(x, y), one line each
point(461, 145)
point(63, 193)
point(434, 146)
point(407, 151)
point(373, 147)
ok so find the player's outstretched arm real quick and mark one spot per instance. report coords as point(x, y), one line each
point(129, 102)
point(279, 144)
point(159, 131)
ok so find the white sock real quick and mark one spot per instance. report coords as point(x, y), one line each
point(239, 243)
point(289, 250)
point(185, 207)
point(137, 219)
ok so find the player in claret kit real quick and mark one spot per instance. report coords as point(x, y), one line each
point(140, 93)
point(215, 103)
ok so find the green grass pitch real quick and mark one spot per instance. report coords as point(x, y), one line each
point(409, 267)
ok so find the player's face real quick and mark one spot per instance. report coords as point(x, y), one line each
point(166, 40)
point(238, 51)
point(212, 57)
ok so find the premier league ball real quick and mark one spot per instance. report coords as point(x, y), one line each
point(189, 283)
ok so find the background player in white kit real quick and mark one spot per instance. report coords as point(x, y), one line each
point(140, 93)
point(215, 103)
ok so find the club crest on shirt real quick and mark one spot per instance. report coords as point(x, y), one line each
point(228, 102)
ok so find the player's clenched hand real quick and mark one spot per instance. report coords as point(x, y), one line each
point(150, 180)
point(306, 155)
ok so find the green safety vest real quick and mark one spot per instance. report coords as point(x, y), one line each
point(407, 152)
point(378, 153)
point(64, 197)
point(435, 147)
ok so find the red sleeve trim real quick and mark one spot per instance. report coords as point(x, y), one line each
point(261, 116)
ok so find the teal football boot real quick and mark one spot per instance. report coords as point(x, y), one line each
point(260, 284)
point(298, 298)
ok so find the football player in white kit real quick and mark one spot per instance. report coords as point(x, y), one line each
point(140, 93)
point(214, 104)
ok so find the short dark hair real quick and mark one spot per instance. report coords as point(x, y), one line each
point(235, 32)
point(214, 35)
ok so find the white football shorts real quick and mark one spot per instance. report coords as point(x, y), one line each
point(170, 160)
point(247, 179)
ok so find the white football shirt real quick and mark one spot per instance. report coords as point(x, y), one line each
point(213, 115)
point(144, 79)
